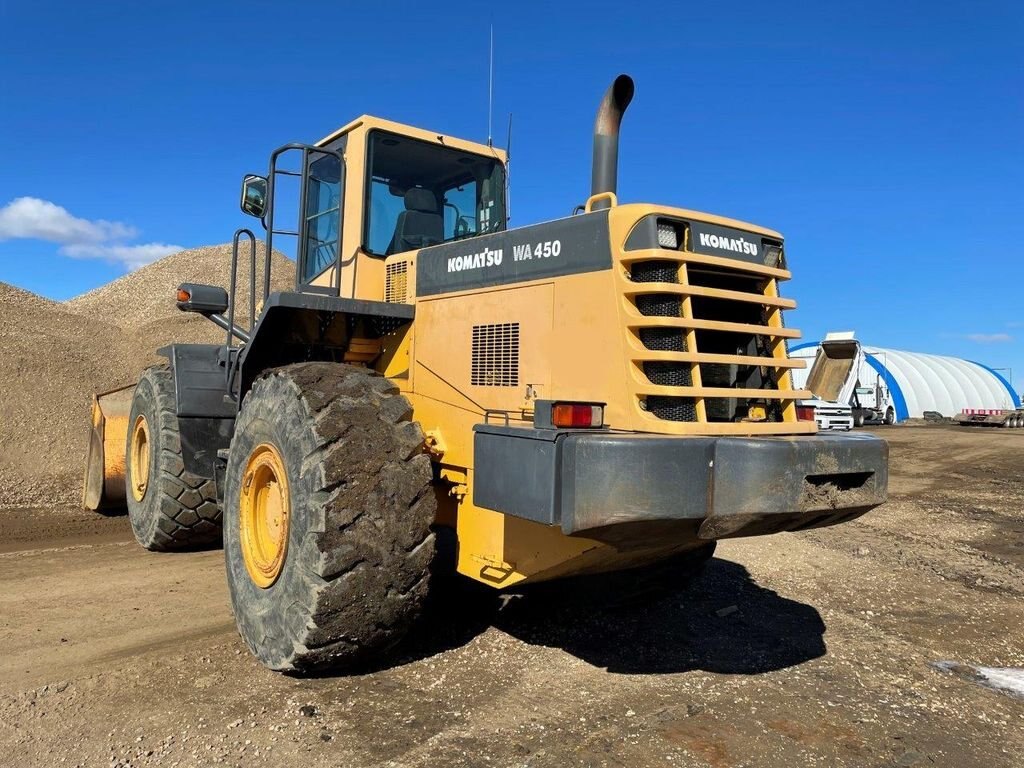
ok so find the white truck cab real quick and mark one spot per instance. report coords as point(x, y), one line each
point(830, 417)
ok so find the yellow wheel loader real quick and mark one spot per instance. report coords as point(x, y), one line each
point(591, 394)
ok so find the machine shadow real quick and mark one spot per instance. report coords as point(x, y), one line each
point(680, 631)
point(111, 512)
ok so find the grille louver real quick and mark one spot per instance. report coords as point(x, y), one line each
point(495, 355)
point(396, 282)
point(668, 374)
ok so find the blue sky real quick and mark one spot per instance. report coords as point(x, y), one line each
point(885, 140)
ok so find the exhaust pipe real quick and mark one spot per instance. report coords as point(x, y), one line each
point(604, 175)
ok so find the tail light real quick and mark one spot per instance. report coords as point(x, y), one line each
point(549, 414)
point(805, 413)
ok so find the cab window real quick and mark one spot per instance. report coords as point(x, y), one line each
point(322, 219)
point(421, 194)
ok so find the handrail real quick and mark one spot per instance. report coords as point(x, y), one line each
point(229, 325)
point(232, 291)
point(609, 196)
point(268, 218)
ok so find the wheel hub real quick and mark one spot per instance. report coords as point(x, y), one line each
point(264, 512)
point(139, 458)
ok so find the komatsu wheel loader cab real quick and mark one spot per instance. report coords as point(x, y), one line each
point(589, 394)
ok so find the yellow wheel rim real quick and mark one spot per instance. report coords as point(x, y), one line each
point(139, 458)
point(264, 510)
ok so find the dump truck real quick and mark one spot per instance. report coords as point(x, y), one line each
point(591, 394)
point(834, 378)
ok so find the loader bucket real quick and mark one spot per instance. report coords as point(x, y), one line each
point(105, 455)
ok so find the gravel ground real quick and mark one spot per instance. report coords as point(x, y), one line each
point(848, 646)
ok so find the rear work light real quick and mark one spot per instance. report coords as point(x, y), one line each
point(805, 413)
point(667, 236)
point(551, 414)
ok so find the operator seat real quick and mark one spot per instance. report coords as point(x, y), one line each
point(419, 225)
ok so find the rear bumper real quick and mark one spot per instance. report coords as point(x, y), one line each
point(591, 483)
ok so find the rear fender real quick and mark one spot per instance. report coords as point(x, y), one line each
point(300, 327)
point(206, 416)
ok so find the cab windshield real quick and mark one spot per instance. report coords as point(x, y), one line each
point(421, 194)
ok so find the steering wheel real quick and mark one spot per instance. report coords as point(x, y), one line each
point(461, 226)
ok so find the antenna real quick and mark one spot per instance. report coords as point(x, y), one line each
point(490, 89)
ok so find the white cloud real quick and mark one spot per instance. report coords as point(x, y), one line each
point(131, 256)
point(30, 218)
point(988, 338)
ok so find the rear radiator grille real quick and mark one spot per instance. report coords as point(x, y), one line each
point(664, 340)
point(396, 282)
point(495, 355)
point(672, 408)
point(734, 312)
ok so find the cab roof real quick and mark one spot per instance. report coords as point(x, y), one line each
point(369, 122)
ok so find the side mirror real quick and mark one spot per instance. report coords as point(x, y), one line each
point(203, 299)
point(254, 195)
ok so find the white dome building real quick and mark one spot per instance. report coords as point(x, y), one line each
point(918, 382)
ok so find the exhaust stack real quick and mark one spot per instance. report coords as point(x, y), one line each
point(604, 175)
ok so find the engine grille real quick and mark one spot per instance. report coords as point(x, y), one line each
point(396, 282)
point(711, 333)
point(495, 355)
point(669, 374)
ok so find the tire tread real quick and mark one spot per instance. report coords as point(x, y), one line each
point(369, 488)
point(186, 513)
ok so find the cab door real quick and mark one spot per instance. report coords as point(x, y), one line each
point(320, 222)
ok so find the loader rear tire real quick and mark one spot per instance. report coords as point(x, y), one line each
point(334, 569)
point(170, 508)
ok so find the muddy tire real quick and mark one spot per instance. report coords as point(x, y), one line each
point(170, 508)
point(359, 504)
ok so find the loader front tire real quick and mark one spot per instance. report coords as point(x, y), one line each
point(328, 513)
point(170, 508)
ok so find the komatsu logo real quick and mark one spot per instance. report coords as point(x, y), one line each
point(486, 258)
point(734, 244)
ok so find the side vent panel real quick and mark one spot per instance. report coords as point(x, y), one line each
point(396, 282)
point(495, 361)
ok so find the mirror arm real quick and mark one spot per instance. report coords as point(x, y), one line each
point(223, 323)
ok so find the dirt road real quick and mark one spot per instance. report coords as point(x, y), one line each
point(804, 649)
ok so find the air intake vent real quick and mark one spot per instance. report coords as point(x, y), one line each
point(396, 282)
point(495, 355)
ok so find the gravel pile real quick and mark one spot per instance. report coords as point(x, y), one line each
point(51, 362)
point(146, 295)
point(54, 356)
